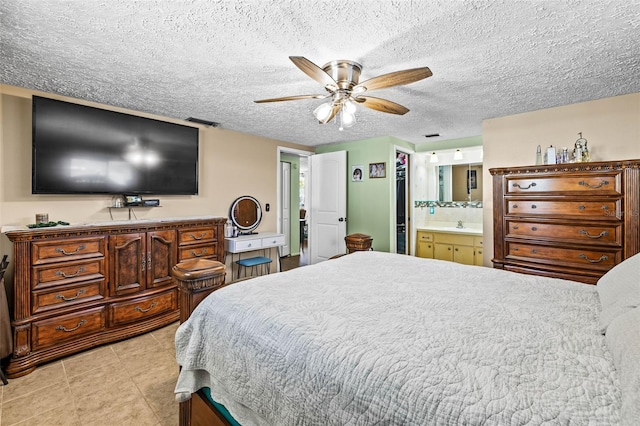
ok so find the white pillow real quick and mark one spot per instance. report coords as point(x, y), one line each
point(623, 339)
point(619, 290)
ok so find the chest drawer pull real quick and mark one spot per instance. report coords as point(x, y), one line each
point(533, 228)
point(581, 207)
point(202, 253)
point(69, 253)
point(605, 207)
point(143, 262)
point(149, 260)
point(78, 272)
point(534, 251)
point(202, 235)
point(585, 257)
point(139, 309)
point(602, 234)
point(600, 185)
point(69, 330)
point(516, 227)
point(515, 206)
point(517, 185)
point(68, 299)
point(533, 206)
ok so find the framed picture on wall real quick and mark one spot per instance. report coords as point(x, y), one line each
point(472, 182)
point(357, 173)
point(377, 170)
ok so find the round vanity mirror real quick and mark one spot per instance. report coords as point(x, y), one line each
point(245, 213)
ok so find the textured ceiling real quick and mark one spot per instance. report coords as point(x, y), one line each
point(211, 59)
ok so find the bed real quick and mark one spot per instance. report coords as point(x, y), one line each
point(386, 339)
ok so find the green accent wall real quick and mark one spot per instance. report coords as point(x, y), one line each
point(370, 203)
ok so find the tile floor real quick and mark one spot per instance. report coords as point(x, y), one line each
point(124, 383)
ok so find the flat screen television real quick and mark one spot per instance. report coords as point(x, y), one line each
point(79, 149)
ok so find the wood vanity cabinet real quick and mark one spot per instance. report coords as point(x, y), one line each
point(82, 286)
point(454, 247)
point(572, 221)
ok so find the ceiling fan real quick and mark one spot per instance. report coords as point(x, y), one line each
point(341, 81)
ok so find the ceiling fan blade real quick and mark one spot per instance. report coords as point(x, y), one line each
point(393, 79)
point(315, 72)
point(382, 105)
point(292, 98)
point(336, 108)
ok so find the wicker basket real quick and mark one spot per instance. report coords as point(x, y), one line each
point(358, 242)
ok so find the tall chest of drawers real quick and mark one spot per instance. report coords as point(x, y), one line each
point(81, 286)
point(571, 221)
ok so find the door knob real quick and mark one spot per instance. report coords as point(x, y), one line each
point(342, 219)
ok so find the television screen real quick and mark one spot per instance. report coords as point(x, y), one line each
point(84, 150)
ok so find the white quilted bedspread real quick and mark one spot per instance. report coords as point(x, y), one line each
point(382, 339)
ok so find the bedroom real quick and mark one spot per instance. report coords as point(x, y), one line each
point(610, 124)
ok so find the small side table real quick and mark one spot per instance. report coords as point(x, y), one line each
point(358, 242)
point(196, 279)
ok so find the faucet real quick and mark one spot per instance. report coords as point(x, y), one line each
point(460, 225)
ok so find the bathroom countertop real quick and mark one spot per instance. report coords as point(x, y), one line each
point(452, 229)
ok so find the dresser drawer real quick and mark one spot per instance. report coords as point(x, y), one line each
point(71, 295)
point(586, 258)
point(197, 235)
point(68, 327)
point(145, 307)
point(274, 241)
point(597, 210)
point(64, 273)
point(68, 250)
point(597, 234)
point(425, 236)
point(600, 184)
point(207, 251)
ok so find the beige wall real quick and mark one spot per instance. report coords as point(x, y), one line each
point(611, 127)
point(231, 164)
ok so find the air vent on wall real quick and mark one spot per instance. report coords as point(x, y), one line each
point(432, 135)
point(205, 122)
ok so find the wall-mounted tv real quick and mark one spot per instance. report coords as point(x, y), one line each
point(84, 150)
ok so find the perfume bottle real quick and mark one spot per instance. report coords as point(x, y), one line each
point(538, 156)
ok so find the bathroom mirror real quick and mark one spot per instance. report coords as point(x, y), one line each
point(246, 214)
point(460, 182)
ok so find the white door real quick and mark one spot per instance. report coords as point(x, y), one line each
point(328, 216)
point(286, 208)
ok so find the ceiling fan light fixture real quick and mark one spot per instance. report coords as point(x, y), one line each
point(323, 111)
point(347, 119)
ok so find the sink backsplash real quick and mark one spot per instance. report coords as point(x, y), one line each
point(470, 217)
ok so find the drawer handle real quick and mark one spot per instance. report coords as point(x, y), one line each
point(69, 330)
point(585, 257)
point(204, 234)
point(515, 206)
point(456, 249)
point(143, 262)
point(534, 251)
point(78, 272)
point(139, 309)
point(516, 227)
point(202, 253)
point(533, 228)
point(600, 185)
point(69, 253)
point(68, 299)
point(149, 260)
point(602, 234)
point(581, 207)
point(533, 206)
point(516, 249)
point(605, 207)
point(517, 185)
point(449, 248)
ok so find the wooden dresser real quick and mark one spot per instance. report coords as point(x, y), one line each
point(81, 286)
point(572, 221)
